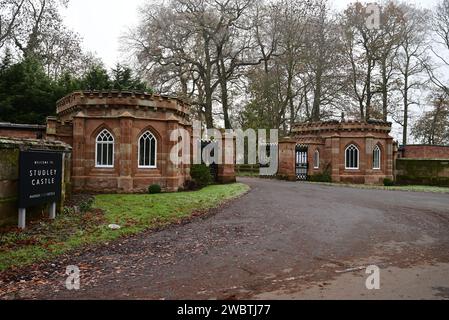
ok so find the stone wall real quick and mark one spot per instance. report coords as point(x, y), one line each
point(422, 172)
point(424, 152)
point(24, 131)
point(287, 164)
point(9, 174)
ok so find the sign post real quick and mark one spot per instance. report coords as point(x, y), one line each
point(40, 181)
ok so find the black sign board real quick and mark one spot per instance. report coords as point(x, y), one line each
point(40, 178)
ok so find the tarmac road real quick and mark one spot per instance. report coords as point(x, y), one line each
point(283, 240)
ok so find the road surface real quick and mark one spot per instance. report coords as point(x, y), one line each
point(282, 240)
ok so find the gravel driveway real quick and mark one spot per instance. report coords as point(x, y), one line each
point(282, 240)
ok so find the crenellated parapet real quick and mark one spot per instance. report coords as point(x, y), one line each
point(81, 100)
point(318, 128)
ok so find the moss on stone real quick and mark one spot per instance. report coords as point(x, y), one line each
point(423, 172)
point(9, 168)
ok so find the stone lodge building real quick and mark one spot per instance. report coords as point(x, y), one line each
point(120, 140)
point(350, 151)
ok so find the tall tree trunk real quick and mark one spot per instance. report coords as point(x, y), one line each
point(208, 105)
point(208, 90)
point(406, 104)
point(384, 90)
point(293, 115)
point(224, 93)
point(368, 90)
point(316, 111)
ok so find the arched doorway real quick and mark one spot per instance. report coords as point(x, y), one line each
point(302, 163)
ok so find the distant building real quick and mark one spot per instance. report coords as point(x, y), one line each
point(349, 151)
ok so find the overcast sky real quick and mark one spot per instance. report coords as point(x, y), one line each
point(102, 22)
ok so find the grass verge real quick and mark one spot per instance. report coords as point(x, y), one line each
point(45, 239)
point(428, 189)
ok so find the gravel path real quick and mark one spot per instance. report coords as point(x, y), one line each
point(282, 240)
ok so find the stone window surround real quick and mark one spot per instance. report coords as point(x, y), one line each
point(356, 149)
point(112, 143)
point(316, 159)
point(147, 132)
point(377, 152)
point(105, 167)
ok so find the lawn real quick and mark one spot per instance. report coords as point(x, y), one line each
point(45, 239)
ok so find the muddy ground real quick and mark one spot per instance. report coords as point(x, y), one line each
point(281, 241)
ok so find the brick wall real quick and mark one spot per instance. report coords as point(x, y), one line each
point(422, 172)
point(425, 152)
point(22, 133)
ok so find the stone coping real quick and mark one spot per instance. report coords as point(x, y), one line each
point(337, 122)
point(423, 159)
point(13, 143)
point(120, 98)
point(349, 125)
point(9, 125)
point(424, 145)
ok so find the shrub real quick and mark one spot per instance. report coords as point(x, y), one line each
point(86, 205)
point(321, 177)
point(190, 185)
point(68, 211)
point(201, 175)
point(388, 183)
point(326, 176)
point(154, 189)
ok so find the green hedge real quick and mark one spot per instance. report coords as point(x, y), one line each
point(201, 175)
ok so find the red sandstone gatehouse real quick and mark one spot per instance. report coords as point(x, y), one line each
point(350, 151)
point(120, 140)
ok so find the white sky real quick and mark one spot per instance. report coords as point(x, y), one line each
point(102, 22)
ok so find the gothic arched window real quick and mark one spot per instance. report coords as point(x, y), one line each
point(377, 158)
point(147, 151)
point(316, 159)
point(352, 157)
point(104, 152)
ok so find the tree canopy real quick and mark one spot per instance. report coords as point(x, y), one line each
point(29, 95)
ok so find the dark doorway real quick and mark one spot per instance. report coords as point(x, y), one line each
point(302, 163)
point(213, 166)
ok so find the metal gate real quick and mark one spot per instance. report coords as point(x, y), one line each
point(302, 163)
